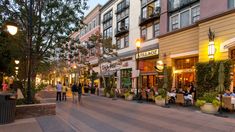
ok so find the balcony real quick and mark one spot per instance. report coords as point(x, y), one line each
point(155, 15)
point(121, 31)
point(174, 5)
point(107, 19)
point(123, 8)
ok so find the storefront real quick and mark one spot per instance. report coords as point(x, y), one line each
point(147, 62)
point(110, 73)
point(184, 72)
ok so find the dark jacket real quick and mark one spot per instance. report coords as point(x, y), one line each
point(80, 89)
point(74, 88)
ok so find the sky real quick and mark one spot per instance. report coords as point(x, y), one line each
point(93, 3)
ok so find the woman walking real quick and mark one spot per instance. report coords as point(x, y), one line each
point(64, 90)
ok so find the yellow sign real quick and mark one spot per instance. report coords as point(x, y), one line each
point(148, 53)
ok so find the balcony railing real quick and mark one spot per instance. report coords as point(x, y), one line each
point(174, 5)
point(123, 8)
point(107, 19)
point(155, 15)
point(122, 30)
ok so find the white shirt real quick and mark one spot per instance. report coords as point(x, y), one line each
point(59, 87)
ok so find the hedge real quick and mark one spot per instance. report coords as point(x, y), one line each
point(207, 76)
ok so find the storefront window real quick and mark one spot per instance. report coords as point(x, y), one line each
point(126, 81)
point(186, 63)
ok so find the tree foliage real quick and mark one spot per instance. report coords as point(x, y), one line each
point(52, 22)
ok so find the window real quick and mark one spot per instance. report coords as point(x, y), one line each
point(231, 4)
point(144, 12)
point(118, 43)
point(144, 33)
point(176, 3)
point(126, 41)
point(175, 22)
point(156, 30)
point(108, 33)
point(184, 18)
point(157, 3)
point(195, 14)
point(144, 2)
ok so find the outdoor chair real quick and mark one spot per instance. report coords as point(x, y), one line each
point(180, 99)
point(227, 103)
point(143, 94)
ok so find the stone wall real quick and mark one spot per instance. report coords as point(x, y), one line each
point(35, 110)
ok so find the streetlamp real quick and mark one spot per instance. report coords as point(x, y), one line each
point(11, 27)
point(75, 78)
point(17, 62)
point(211, 45)
point(137, 43)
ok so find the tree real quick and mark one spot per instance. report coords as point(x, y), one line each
point(52, 23)
point(107, 52)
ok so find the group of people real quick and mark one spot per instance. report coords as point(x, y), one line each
point(61, 91)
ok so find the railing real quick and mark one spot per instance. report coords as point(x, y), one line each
point(123, 8)
point(121, 30)
point(107, 19)
point(156, 14)
point(178, 4)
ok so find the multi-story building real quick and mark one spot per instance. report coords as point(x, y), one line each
point(92, 26)
point(116, 16)
point(172, 31)
point(183, 39)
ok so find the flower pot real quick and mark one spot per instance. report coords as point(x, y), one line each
point(129, 98)
point(209, 108)
point(160, 102)
point(108, 95)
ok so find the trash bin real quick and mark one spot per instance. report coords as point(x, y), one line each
point(7, 108)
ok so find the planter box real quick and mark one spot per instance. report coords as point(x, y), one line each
point(129, 98)
point(160, 102)
point(209, 108)
point(35, 110)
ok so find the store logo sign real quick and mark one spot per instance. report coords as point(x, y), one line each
point(148, 53)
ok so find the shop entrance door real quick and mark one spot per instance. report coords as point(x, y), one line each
point(184, 79)
point(148, 81)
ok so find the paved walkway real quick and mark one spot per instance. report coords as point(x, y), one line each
point(106, 115)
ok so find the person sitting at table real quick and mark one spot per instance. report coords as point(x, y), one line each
point(227, 93)
point(233, 93)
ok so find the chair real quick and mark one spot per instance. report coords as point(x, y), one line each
point(143, 94)
point(180, 99)
point(227, 103)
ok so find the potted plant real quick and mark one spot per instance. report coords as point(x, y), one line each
point(129, 95)
point(208, 103)
point(160, 97)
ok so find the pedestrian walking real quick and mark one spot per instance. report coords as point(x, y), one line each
point(74, 90)
point(64, 91)
point(59, 89)
point(79, 92)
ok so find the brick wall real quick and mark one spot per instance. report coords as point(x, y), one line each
point(35, 110)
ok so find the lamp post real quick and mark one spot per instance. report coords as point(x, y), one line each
point(75, 78)
point(138, 42)
point(11, 27)
point(211, 45)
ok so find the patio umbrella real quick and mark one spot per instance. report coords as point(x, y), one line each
point(221, 87)
point(165, 84)
point(221, 78)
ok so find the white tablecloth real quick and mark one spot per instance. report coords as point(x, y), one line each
point(233, 100)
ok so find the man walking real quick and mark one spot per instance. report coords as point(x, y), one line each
point(79, 92)
point(59, 89)
point(74, 90)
